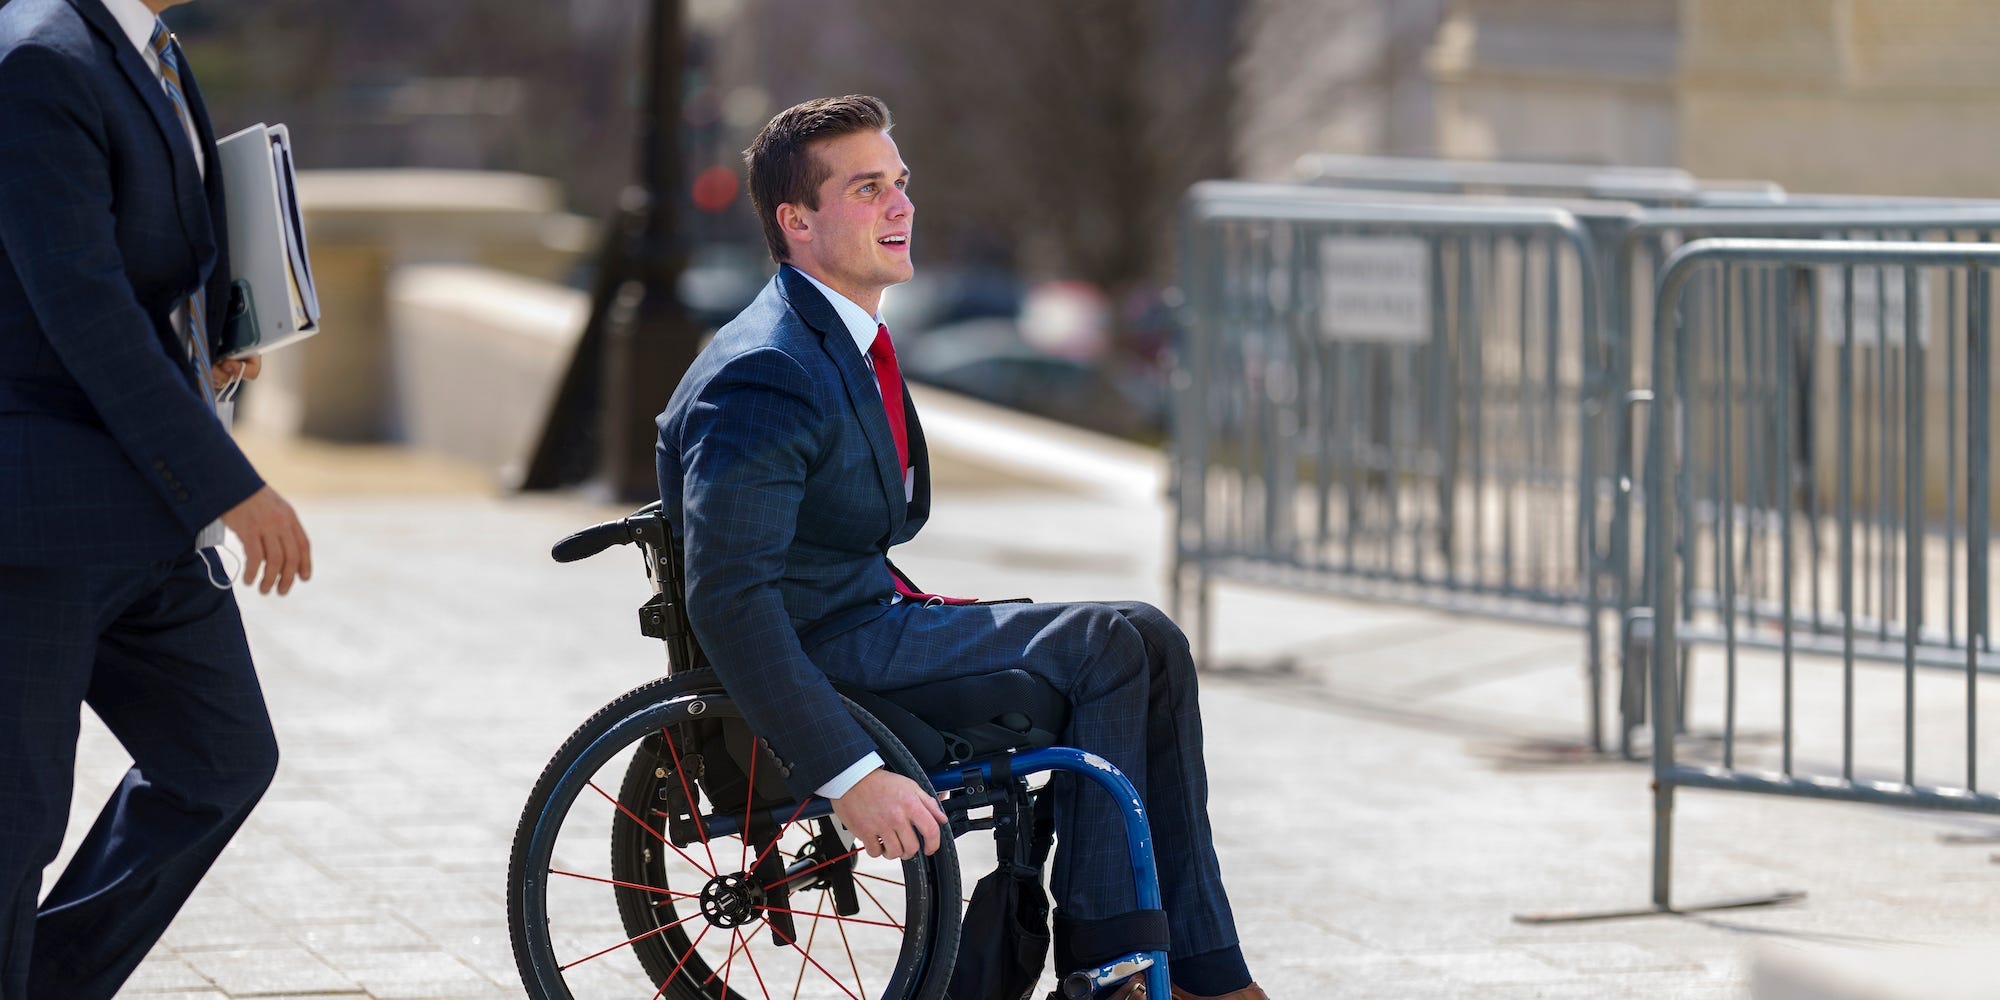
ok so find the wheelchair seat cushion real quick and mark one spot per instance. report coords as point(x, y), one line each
point(951, 721)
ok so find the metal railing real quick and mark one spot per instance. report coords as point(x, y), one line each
point(1362, 450)
point(1437, 398)
point(1648, 185)
point(1754, 341)
point(1390, 401)
point(1643, 250)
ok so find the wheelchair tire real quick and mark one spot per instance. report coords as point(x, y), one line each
point(651, 942)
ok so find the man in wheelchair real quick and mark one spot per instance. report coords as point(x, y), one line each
point(790, 461)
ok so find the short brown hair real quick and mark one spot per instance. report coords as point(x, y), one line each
point(780, 162)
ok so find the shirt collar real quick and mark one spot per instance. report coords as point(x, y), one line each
point(860, 325)
point(137, 20)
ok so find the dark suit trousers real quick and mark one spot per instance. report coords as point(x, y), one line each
point(1130, 680)
point(161, 658)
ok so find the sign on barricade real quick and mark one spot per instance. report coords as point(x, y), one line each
point(1376, 288)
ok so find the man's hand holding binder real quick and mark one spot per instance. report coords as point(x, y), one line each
point(229, 370)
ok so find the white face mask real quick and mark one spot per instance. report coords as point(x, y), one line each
point(220, 565)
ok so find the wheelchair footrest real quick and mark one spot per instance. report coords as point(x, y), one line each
point(1085, 983)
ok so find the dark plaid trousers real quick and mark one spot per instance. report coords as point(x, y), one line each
point(1130, 680)
point(160, 657)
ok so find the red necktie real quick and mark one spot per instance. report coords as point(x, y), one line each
point(889, 378)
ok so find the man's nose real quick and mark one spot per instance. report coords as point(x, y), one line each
point(903, 207)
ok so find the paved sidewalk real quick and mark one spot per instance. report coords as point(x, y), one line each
point(1387, 795)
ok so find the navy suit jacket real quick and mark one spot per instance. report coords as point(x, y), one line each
point(109, 452)
point(779, 474)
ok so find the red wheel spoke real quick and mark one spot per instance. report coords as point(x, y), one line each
point(751, 954)
point(668, 980)
point(829, 976)
point(879, 906)
point(781, 836)
point(965, 900)
point(652, 933)
point(643, 825)
point(736, 940)
point(694, 810)
point(859, 986)
point(626, 885)
point(811, 936)
point(832, 916)
point(814, 868)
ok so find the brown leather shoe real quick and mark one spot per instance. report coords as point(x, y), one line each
point(1250, 992)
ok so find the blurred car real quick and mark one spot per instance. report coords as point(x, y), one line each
point(947, 294)
point(720, 280)
point(988, 359)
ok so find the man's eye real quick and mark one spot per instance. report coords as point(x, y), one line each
point(867, 189)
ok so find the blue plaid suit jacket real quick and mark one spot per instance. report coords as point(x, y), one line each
point(108, 451)
point(778, 472)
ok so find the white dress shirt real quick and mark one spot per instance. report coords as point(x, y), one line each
point(861, 326)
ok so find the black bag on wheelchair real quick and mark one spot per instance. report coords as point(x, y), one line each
point(1004, 940)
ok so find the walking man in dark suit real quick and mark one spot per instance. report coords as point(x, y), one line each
point(791, 460)
point(114, 469)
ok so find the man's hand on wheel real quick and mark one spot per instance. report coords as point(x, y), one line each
point(892, 815)
point(273, 539)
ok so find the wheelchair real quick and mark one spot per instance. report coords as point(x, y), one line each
point(660, 855)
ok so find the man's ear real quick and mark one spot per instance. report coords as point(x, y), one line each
point(792, 222)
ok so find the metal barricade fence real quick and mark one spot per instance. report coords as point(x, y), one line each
point(1271, 313)
point(1810, 303)
point(1389, 400)
point(1754, 342)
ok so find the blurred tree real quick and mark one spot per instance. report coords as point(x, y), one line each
point(1075, 126)
point(1053, 136)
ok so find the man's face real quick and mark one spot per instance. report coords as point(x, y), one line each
point(857, 241)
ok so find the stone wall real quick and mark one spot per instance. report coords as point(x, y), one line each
point(1557, 81)
point(362, 226)
point(1862, 96)
point(1332, 76)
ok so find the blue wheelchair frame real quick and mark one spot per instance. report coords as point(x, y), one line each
point(666, 620)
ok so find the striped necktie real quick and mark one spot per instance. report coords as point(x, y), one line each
point(196, 334)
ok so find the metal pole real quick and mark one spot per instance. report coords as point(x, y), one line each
point(649, 347)
point(1663, 564)
point(638, 340)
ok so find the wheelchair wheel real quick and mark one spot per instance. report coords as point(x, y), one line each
point(678, 913)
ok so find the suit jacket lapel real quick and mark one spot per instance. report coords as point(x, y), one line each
point(189, 196)
point(862, 393)
point(208, 240)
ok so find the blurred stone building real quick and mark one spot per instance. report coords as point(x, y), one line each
point(1333, 76)
point(1862, 96)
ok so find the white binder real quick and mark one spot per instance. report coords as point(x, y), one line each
point(272, 300)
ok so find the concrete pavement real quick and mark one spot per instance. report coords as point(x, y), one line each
point(1392, 784)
